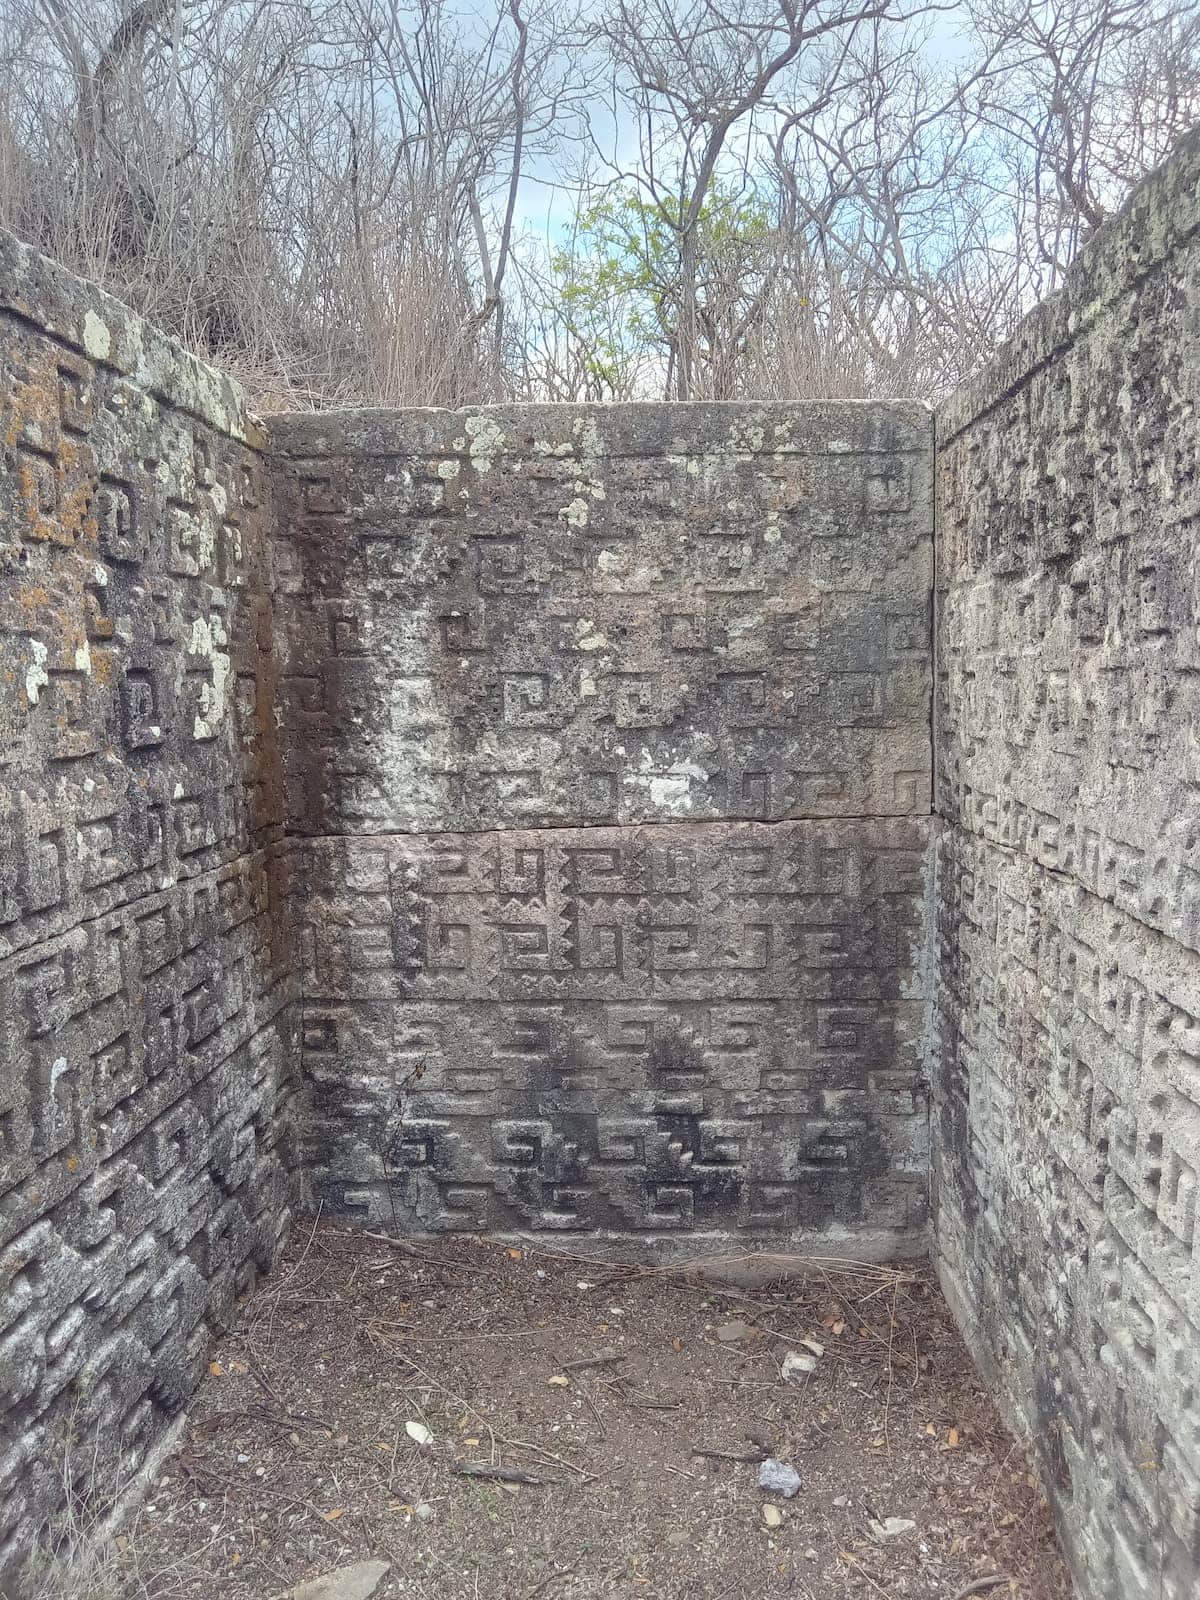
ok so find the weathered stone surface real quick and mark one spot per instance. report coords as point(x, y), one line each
point(147, 1044)
point(1068, 650)
point(358, 1582)
point(710, 910)
point(497, 618)
point(462, 621)
point(1065, 1189)
point(522, 618)
point(689, 1019)
point(666, 1030)
point(137, 730)
point(543, 615)
point(1067, 1055)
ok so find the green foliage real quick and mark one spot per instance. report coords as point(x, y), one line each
point(619, 274)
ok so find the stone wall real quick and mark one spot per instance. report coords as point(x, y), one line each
point(534, 664)
point(146, 1055)
point(1067, 1098)
point(552, 785)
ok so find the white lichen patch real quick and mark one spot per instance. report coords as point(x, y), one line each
point(97, 337)
point(587, 431)
point(448, 470)
point(83, 658)
point(672, 790)
point(133, 346)
point(624, 578)
point(669, 788)
point(588, 636)
point(486, 442)
point(206, 543)
point(36, 676)
point(208, 640)
point(215, 397)
point(587, 486)
point(747, 438)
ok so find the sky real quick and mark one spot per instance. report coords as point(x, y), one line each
point(546, 199)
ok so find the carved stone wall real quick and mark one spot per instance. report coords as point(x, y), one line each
point(1067, 1115)
point(535, 661)
point(146, 970)
point(541, 615)
point(679, 1031)
point(552, 786)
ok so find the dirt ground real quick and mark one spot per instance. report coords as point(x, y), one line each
point(637, 1472)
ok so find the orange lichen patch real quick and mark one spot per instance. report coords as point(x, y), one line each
point(37, 487)
point(77, 514)
point(16, 426)
point(36, 403)
point(75, 640)
point(256, 433)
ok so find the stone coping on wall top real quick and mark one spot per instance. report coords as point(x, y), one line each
point(1159, 218)
point(102, 329)
point(624, 428)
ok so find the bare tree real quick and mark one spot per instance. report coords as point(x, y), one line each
point(888, 217)
point(454, 111)
point(325, 195)
point(696, 77)
point(775, 197)
point(1084, 96)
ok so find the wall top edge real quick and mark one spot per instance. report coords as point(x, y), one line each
point(914, 831)
point(96, 326)
point(625, 428)
point(1160, 217)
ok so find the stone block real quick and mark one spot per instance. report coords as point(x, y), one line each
point(148, 1046)
point(1066, 1056)
point(536, 616)
point(675, 1032)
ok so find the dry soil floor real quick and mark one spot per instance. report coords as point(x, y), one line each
point(369, 1390)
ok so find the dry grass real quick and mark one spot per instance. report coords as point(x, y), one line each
point(80, 1575)
point(79, 1562)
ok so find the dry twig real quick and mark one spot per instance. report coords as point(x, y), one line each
point(490, 1469)
point(605, 1359)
